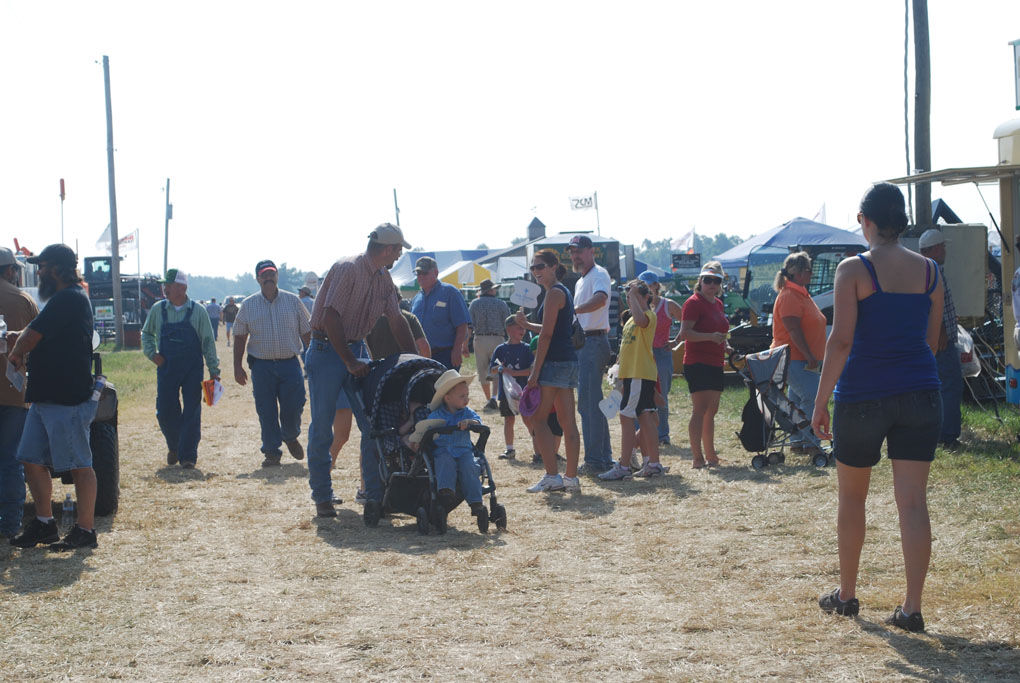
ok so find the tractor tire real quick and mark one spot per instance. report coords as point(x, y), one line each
point(106, 463)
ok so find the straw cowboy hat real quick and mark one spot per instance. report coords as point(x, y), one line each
point(448, 380)
point(423, 426)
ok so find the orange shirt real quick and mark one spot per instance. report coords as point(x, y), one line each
point(794, 302)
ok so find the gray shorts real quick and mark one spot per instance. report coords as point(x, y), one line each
point(58, 436)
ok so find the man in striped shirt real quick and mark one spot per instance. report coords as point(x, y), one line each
point(354, 293)
point(273, 325)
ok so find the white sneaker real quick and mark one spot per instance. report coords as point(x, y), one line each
point(572, 484)
point(550, 482)
point(618, 472)
point(652, 469)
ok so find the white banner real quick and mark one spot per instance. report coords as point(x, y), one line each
point(684, 244)
point(128, 242)
point(582, 203)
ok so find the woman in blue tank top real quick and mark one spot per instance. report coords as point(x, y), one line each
point(880, 367)
point(554, 372)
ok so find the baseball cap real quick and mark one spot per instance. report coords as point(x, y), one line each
point(485, 285)
point(929, 238)
point(7, 257)
point(58, 255)
point(580, 241)
point(175, 275)
point(387, 233)
point(265, 264)
point(425, 264)
point(648, 277)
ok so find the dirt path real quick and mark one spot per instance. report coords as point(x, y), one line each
point(223, 573)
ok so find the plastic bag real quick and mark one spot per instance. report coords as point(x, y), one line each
point(969, 361)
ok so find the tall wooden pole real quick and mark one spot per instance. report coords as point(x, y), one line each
point(922, 110)
point(118, 303)
point(166, 227)
point(396, 207)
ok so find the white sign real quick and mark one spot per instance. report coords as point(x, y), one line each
point(582, 203)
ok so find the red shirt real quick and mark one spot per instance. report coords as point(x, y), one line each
point(708, 317)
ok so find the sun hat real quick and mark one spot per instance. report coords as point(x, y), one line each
point(448, 380)
point(486, 285)
point(175, 275)
point(649, 278)
point(387, 233)
point(930, 238)
point(530, 399)
point(423, 426)
point(711, 272)
point(56, 254)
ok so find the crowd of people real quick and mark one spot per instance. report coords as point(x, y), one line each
point(887, 363)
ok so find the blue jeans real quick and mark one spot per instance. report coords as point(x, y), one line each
point(279, 390)
point(593, 359)
point(12, 474)
point(951, 376)
point(215, 328)
point(462, 470)
point(327, 377)
point(802, 386)
point(664, 368)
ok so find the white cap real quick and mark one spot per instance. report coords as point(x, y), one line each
point(387, 233)
point(929, 238)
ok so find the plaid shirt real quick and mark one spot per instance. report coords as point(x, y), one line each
point(358, 293)
point(948, 311)
point(488, 316)
point(274, 328)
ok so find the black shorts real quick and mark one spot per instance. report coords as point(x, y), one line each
point(910, 424)
point(504, 407)
point(701, 377)
point(554, 425)
point(638, 397)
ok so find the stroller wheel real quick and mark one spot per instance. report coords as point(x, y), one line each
point(439, 518)
point(423, 521)
point(373, 513)
point(776, 458)
point(498, 516)
point(820, 459)
point(759, 462)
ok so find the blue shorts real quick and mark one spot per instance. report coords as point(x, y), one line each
point(910, 424)
point(561, 374)
point(58, 436)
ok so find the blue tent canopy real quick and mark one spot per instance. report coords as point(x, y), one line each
point(773, 244)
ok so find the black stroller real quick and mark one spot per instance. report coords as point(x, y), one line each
point(770, 419)
point(409, 481)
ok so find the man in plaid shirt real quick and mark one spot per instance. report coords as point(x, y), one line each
point(354, 294)
point(933, 246)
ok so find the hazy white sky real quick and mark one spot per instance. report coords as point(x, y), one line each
point(284, 127)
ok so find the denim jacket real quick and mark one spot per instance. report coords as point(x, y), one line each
point(459, 443)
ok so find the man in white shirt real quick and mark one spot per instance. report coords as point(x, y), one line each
point(591, 304)
point(273, 325)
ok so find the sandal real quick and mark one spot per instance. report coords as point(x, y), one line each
point(913, 623)
point(830, 603)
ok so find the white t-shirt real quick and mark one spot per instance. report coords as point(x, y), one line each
point(1016, 296)
point(596, 280)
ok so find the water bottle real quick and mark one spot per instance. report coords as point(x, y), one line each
point(3, 335)
point(67, 516)
point(97, 388)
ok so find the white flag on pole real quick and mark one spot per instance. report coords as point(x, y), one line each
point(103, 243)
point(128, 242)
point(683, 244)
point(820, 216)
point(582, 203)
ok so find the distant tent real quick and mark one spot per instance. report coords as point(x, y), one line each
point(402, 271)
point(465, 273)
point(772, 243)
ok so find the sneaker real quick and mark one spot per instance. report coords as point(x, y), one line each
point(618, 472)
point(491, 404)
point(171, 457)
point(572, 484)
point(636, 463)
point(324, 509)
point(360, 498)
point(593, 470)
point(913, 623)
point(295, 449)
point(76, 538)
point(830, 603)
point(536, 459)
point(509, 454)
point(650, 469)
point(272, 460)
point(664, 441)
point(36, 532)
point(550, 482)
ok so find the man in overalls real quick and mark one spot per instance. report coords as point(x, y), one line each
point(176, 335)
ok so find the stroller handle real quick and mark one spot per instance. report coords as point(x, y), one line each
point(481, 430)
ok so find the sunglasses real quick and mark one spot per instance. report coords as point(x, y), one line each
point(538, 266)
point(709, 280)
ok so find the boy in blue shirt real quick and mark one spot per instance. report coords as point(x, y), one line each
point(513, 358)
point(454, 454)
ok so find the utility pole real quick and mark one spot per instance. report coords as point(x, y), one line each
point(396, 207)
point(167, 215)
point(922, 111)
point(118, 304)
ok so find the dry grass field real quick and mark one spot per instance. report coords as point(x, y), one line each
point(223, 573)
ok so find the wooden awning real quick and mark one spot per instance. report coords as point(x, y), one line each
point(982, 175)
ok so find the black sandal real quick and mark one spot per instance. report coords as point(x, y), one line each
point(913, 623)
point(830, 603)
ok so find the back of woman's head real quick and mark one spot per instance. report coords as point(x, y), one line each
point(794, 264)
point(883, 205)
point(550, 258)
